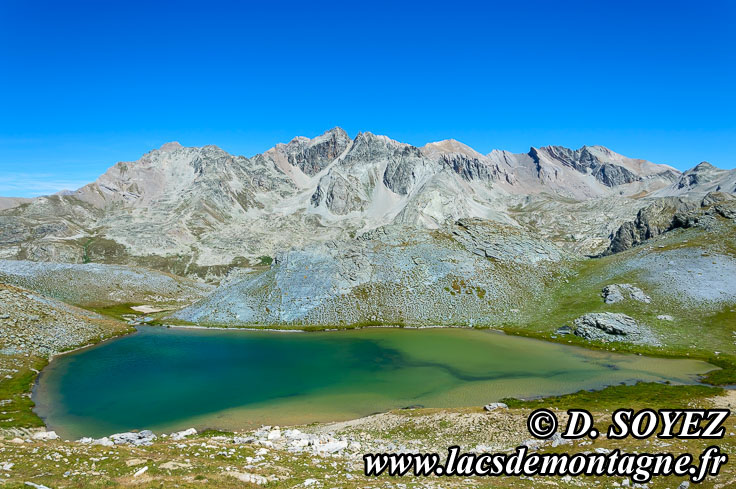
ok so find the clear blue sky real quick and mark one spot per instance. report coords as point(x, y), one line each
point(86, 84)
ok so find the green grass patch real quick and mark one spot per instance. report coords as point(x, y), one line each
point(642, 395)
point(265, 260)
point(116, 310)
point(726, 375)
point(17, 408)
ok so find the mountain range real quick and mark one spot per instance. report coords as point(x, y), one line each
point(200, 211)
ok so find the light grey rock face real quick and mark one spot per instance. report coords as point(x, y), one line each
point(313, 155)
point(585, 161)
point(389, 275)
point(10, 202)
point(504, 244)
point(472, 168)
point(403, 170)
point(339, 196)
point(607, 326)
point(618, 292)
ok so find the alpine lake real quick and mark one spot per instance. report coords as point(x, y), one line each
point(167, 379)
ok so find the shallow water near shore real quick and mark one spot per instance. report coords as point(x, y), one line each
point(171, 379)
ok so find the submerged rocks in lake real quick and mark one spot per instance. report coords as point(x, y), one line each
point(618, 292)
point(608, 326)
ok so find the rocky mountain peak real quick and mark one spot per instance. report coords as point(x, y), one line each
point(311, 156)
point(703, 166)
point(169, 147)
point(451, 146)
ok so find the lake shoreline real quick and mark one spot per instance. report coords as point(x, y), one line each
point(450, 349)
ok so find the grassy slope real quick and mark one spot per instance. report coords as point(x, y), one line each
point(695, 332)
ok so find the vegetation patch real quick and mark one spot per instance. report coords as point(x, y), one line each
point(16, 410)
point(641, 395)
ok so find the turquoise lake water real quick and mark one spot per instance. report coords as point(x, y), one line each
point(170, 379)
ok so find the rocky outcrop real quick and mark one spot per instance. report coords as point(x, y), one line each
point(670, 213)
point(313, 155)
point(471, 168)
point(405, 167)
point(607, 326)
point(338, 195)
point(658, 217)
point(503, 243)
point(618, 292)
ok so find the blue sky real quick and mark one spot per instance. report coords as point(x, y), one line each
point(86, 84)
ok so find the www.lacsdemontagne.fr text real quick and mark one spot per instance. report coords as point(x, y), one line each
point(542, 423)
point(640, 467)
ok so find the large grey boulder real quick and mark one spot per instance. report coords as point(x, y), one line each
point(608, 326)
point(141, 438)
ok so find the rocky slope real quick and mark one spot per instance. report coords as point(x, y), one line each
point(36, 325)
point(101, 285)
point(470, 273)
point(201, 211)
point(10, 202)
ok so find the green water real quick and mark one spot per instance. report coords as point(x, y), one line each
point(169, 379)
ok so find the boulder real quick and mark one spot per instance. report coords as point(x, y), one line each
point(608, 326)
point(45, 435)
point(142, 438)
point(563, 330)
point(612, 294)
point(617, 292)
point(179, 435)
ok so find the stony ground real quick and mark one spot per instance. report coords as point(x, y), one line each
point(100, 285)
point(37, 325)
point(317, 456)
